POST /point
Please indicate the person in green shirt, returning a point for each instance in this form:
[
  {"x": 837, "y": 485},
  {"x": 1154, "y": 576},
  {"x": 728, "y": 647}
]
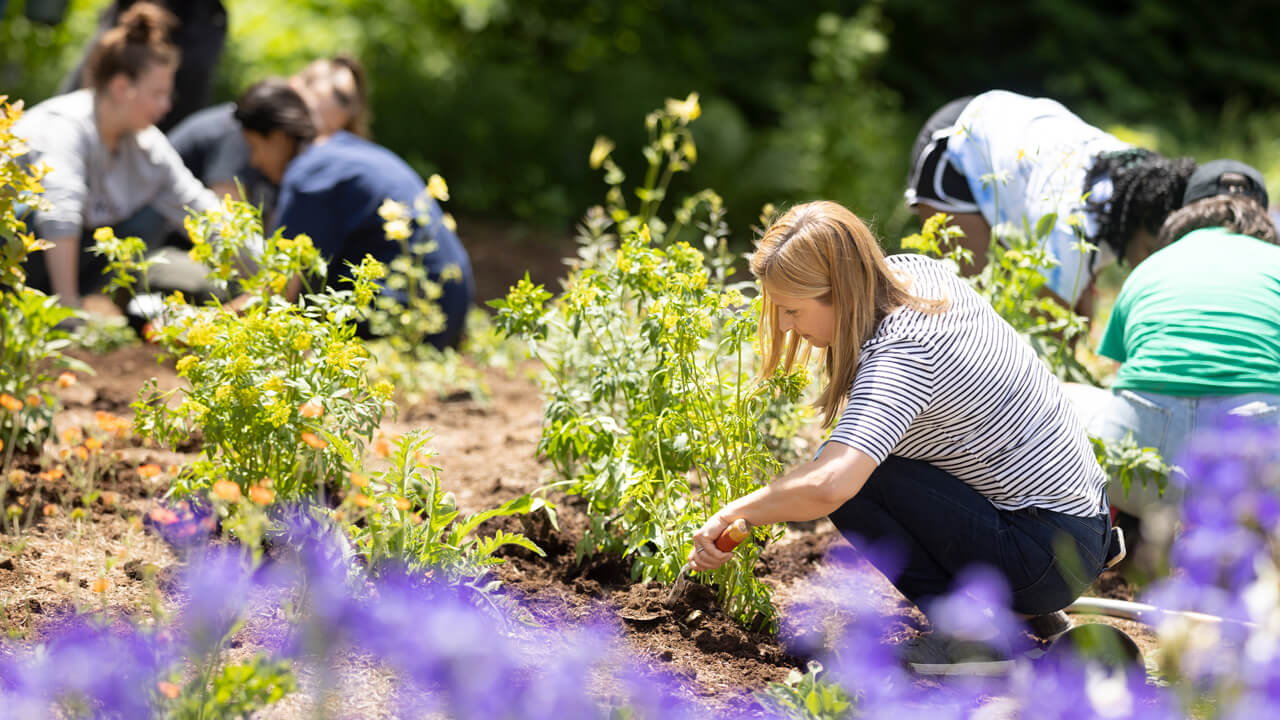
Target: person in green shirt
[{"x": 1196, "y": 327}]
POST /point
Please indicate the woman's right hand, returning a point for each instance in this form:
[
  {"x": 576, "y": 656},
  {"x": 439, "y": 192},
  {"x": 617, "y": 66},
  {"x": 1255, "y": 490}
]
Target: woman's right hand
[{"x": 705, "y": 555}]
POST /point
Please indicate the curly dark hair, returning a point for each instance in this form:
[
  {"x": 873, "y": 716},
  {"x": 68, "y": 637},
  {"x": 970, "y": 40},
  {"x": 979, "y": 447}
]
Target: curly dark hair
[{"x": 1146, "y": 187}]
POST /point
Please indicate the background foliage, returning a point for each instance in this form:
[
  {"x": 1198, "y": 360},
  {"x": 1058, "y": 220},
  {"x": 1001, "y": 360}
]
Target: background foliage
[{"x": 800, "y": 100}]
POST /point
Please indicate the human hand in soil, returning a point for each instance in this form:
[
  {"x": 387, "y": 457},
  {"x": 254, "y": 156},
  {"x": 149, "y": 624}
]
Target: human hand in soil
[{"x": 705, "y": 554}]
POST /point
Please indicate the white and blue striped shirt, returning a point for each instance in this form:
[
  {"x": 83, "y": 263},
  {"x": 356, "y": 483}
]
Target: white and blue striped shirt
[{"x": 962, "y": 391}]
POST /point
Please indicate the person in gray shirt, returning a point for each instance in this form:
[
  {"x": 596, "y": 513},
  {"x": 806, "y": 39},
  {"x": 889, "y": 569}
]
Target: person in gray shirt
[{"x": 109, "y": 164}]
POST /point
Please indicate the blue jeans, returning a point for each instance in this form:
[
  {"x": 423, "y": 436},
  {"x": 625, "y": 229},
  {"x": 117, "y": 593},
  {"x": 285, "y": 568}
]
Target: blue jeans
[
  {"x": 938, "y": 526},
  {"x": 1163, "y": 422}
]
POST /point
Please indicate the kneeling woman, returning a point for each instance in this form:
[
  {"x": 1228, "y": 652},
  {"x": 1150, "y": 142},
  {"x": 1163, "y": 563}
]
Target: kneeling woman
[
  {"x": 954, "y": 443},
  {"x": 331, "y": 188}
]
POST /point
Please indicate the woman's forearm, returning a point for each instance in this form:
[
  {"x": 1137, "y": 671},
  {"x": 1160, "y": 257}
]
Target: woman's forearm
[
  {"x": 807, "y": 492},
  {"x": 63, "y": 262}
]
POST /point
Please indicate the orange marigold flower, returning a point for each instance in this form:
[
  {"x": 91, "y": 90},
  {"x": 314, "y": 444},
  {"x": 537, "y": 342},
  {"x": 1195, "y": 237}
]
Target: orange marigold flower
[
  {"x": 163, "y": 515},
  {"x": 261, "y": 495},
  {"x": 1, "y": 444},
  {"x": 381, "y": 447},
  {"x": 10, "y": 403},
  {"x": 403, "y": 503},
  {"x": 66, "y": 380},
  {"x": 226, "y": 490},
  {"x": 311, "y": 409},
  {"x": 49, "y": 510},
  {"x": 362, "y": 500},
  {"x": 81, "y": 452},
  {"x": 314, "y": 440},
  {"x": 52, "y": 474},
  {"x": 93, "y": 444},
  {"x": 100, "y": 585},
  {"x": 72, "y": 436},
  {"x": 168, "y": 689},
  {"x": 33, "y": 400},
  {"x": 359, "y": 480},
  {"x": 110, "y": 498},
  {"x": 149, "y": 470}
]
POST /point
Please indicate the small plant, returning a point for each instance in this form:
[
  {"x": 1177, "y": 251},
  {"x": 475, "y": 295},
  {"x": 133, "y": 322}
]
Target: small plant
[
  {"x": 279, "y": 392},
  {"x": 805, "y": 696},
  {"x": 401, "y": 517},
  {"x": 652, "y": 413}
]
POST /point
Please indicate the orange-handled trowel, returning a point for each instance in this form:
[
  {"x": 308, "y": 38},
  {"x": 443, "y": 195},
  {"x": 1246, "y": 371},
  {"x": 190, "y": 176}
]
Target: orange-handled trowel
[{"x": 729, "y": 539}]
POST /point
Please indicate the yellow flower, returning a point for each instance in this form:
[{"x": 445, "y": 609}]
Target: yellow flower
[
  {"x": 103, "y": 234},
  {"x": 397, "y": 230},
  {"x": 449, "y": 222},
  {"x": 383, "y": 390},
  {"x": 391, "y": 210},
  {"x": 186, "y": 364},
  {"x": 686, "y": 110},
  {"x": 226, "y": 490},
  {"x": 600, "y": 151},
  {"x": 278, "y": 413},
  {"x": 302, "y": 342},
  {"x": 437, "y": 188}
]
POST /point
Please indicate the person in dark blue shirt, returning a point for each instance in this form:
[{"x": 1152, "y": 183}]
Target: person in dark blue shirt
[{"x": 332, "y": 187}]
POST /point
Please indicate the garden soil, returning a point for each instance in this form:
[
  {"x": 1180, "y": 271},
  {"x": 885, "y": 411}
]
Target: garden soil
[{"x": 487, "y": 454}]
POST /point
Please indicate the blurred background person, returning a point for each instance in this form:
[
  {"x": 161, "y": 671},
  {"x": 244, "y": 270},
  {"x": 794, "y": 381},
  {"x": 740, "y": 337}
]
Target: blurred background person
[
  {"x": 110, "y": 165},
  {"x": 1001, "y": 158},
  {"x": 213, "y": 147},
  {"x": 199, "y": 34},
  {"x": 331, "y": 188},
  {"x": 1196, "y": 328}
]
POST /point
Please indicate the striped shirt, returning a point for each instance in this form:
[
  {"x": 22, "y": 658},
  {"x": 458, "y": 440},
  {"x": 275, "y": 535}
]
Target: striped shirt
[{"x": 962, "y": 391}]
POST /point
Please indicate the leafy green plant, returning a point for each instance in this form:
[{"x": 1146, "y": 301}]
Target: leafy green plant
[
  {"x": 279, "y": 392},
  {"x": 31, "y": 341},
  {"x": 233, "y": 690},
  {"x": 652, "y": 413},
  {"x": 402, "y": 516},
  {"x": 806, "y": 696}
]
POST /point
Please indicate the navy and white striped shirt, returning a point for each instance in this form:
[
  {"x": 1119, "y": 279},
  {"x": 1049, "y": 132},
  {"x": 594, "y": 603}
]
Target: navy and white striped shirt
[{"x": 961, "y": 390}]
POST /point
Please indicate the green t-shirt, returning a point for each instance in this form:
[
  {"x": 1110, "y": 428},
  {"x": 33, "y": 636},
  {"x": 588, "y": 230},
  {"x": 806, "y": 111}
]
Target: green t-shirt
[{"x": 1200, "y": 317}]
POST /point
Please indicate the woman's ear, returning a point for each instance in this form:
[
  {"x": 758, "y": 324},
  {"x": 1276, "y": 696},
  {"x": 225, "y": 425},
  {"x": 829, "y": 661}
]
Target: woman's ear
[{"x": 119, "y": 87}]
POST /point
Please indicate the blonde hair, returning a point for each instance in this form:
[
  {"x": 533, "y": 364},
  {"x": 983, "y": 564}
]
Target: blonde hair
[{"x": 822, "y": 251}]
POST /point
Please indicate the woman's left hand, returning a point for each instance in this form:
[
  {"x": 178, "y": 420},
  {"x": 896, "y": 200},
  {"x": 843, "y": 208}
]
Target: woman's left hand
[{"x": 705, "y": 554}]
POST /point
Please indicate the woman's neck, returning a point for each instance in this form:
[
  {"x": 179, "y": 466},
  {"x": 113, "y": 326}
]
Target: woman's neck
[{"x": 110, "y": 126}]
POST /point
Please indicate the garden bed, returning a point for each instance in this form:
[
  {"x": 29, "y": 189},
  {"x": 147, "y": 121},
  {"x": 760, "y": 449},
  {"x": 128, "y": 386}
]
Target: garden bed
[{"x": 487, "y": 455}]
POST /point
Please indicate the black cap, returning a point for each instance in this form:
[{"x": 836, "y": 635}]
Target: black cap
[{"x": 1225, "y": 177}]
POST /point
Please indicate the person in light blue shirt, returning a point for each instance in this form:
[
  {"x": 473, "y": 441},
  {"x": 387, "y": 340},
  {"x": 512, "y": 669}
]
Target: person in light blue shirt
[{"x": 1001, "y": 162}]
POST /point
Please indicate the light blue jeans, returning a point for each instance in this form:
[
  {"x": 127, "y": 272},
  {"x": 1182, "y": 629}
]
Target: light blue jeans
[{"x": 1163, "y": 422}]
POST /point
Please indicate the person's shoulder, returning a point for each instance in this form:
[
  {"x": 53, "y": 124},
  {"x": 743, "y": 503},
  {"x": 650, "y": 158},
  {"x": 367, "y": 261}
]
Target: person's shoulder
[
  {"x": 60, "y": 114},
  {"x": 208, "y": 122}
]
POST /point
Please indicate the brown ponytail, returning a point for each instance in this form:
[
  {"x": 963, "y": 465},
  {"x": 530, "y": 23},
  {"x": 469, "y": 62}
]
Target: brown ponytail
[{"x": 138, "y": 41}]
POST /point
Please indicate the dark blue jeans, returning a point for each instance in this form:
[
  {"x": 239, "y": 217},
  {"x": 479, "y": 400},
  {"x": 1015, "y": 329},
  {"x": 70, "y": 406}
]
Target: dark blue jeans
[{"x": 938, "y": 525}]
